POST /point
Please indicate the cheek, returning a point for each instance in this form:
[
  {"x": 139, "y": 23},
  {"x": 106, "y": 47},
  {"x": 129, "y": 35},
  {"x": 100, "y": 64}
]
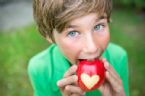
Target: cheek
[
  {"x": 70, "y": 49},
  {"x": 71, "y": 46},
  {"x": 106, "y": 40}
]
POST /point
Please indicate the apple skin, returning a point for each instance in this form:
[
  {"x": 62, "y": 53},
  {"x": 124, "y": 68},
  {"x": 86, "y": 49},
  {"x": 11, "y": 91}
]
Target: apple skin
[{"x": 95, "y": 71}]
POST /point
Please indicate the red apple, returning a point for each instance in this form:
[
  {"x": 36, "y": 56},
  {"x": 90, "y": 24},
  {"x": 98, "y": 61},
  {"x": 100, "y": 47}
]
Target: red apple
[{"x": 91, "y": 74}]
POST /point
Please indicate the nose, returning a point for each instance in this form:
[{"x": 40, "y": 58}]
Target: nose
[{"x": 90, "y": 45}]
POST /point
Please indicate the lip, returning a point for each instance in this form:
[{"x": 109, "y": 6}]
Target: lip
[
  {"x": 79, "y": 60},
  {"x": 88, "y": 59}
]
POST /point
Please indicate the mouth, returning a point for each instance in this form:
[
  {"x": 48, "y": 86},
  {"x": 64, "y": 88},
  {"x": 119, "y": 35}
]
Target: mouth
[
  {"x": 80, "y": 60},
  {"x": 90, "y": 58}
]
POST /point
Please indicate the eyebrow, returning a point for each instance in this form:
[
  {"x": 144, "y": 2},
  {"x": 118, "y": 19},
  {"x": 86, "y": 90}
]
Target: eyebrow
[
  {"x": 98, "y": 19},
  {"x": 101, "y": 17}
]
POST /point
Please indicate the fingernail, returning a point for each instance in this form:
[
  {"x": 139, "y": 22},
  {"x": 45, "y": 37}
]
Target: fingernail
[
  {"x": 107, "y": 73},
  {"x": 106, "y": 64},
  {"x": 58, "y": 83},
  {"x": 104, "y": 59},
  {"x": 76, "y": 77},
  {"x": 75, "y": 67},
  {"x": 84, "y": 93}
]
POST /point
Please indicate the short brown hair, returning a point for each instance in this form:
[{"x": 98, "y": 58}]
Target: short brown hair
[{"x": 56, "y": 14}]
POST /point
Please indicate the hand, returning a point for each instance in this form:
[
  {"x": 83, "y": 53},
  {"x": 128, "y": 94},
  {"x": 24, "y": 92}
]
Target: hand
[
  {"x": 68, "y": 85},
  {"x": 113, "y": 84}
]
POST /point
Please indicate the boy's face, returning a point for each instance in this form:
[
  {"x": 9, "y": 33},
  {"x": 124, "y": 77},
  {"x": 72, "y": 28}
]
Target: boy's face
[{"x": 84, "y": 38}]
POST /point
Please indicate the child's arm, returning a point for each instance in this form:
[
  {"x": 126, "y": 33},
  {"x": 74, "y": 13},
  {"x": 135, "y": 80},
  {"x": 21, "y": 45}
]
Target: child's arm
[
  {"x": 68, "y": 85},
  {"x": 113, "y": 85}
]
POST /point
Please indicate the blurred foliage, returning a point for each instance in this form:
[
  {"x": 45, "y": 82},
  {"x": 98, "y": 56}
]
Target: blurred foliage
[
  {"x": 18, "y": 46},
  {"x": 133, "y": 3},
  {"x": 128, "y": 30}
]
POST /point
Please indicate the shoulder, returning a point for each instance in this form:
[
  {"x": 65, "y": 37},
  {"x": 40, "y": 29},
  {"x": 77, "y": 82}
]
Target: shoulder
[
  {"x": 116, "y": 51},
  {"x": 117, "y": 56},
  {"x": 40, "y": 71},
  {"x": 40, "y": 62},
  {"x": 46, "y": 68}
]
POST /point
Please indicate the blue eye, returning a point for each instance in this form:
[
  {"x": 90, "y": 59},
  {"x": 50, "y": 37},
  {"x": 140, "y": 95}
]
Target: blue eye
[
  {"x": 99, "y": 27},
  {"x": 73, "y": 34}
]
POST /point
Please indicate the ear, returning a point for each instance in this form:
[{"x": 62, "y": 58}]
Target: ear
[
  {"x": 110, "y": 20},
  {"x": 49, "y": 39}
]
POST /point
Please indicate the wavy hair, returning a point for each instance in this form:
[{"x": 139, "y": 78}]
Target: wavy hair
[{"x": 56, "y": 14}]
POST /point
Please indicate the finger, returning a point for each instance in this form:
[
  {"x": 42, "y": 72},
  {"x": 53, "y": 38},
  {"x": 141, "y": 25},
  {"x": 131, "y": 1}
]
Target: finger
[
  {"x": 112, "y": 76},
  {"x": 106, "y": 89},
  {"x": 103, "y": 59},
  {"x": 115, "y": 83},
  {"x": 75, "y": 89},
  {"x": 64, "y": 92},
  {"x": 76, "y": 95},
  {"x": 110, "y": 69},
  {"x": 70, "y": 71},
  {"x": 101, "y": 88},
  {"x": 67, "y": 81}
]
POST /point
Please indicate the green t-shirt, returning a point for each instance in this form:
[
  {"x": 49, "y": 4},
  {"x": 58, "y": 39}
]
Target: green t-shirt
[{"x": 49, "y": 66}]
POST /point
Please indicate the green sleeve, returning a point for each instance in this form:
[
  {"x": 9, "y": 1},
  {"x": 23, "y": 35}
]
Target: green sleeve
[
  {"x": 38, "y": 82},
  {"x": 124, "y": 72}
]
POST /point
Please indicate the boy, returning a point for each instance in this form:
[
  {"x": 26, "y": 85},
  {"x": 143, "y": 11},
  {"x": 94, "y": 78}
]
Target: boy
[{"x": 78, "y": 30}]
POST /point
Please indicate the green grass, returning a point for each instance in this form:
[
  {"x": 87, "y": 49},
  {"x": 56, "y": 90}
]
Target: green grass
[
  {"x": 18, "y": 46},
  {"x": 16, "y": 49}
]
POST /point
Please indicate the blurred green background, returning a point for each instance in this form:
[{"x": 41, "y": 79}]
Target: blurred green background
[{"x": 19, "y": 44}]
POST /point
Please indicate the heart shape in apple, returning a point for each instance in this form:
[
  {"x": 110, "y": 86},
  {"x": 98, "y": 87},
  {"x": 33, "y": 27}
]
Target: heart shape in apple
[{"x": 91, "y": 74}]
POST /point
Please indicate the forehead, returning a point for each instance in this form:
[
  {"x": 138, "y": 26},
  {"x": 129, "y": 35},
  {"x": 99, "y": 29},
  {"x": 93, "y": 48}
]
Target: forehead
[{"x": 90, "y": 18}]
